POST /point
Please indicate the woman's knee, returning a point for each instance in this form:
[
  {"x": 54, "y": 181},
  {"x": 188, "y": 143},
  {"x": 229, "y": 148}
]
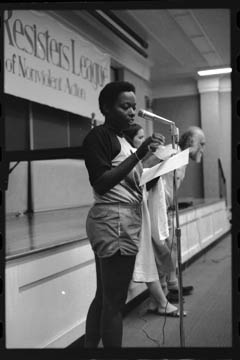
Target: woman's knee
[
  {"x": 116, "y": 276},
  {"x": 115, "y": 300}
]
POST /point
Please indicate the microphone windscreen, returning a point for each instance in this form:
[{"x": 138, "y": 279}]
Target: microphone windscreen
[{"x": 141, "y": 113}]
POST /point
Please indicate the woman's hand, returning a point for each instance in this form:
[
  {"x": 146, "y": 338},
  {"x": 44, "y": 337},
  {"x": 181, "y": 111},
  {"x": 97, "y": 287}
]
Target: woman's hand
[
  {"x": 157, "y": 140},
  {"x": 150, "y": 144}
]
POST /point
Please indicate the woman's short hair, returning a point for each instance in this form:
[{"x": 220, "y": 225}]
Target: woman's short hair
[{"x": 109, "y": 94}]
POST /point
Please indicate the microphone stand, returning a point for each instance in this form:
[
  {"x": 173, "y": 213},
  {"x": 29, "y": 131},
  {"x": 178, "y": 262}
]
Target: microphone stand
[{"x": 174, "y": 133}]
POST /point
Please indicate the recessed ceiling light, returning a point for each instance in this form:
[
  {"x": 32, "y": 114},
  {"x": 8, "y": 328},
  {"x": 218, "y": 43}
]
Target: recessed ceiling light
[{"x": 214, "y": 71}]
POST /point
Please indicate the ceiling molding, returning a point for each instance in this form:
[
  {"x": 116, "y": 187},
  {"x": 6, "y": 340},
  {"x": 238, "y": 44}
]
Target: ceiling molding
[
  {"x": 220, "y": 83},
  {"x": 225, "y": 84},
  {"x": 209, "y": 84}
]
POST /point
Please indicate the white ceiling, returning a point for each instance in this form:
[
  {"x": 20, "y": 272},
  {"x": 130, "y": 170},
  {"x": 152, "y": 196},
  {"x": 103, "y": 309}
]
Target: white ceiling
[{"x": 183, "y": 41}]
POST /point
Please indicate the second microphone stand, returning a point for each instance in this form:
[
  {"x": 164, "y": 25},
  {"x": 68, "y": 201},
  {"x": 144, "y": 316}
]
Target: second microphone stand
[{"x": 174, "y": 135}]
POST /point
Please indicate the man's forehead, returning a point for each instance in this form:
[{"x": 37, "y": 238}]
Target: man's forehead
[{"x": 200, "y": 136}]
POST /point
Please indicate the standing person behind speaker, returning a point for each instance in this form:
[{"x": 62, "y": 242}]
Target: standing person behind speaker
[
  {"x": 166, "y": 252},
  {"x": 114, "y": 221},
  {"x": 145, "y": 266},
  {"x": 194, "y": 139}
]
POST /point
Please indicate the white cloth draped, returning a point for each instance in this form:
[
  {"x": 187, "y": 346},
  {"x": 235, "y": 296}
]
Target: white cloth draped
[{"x": 154, "y": 223}]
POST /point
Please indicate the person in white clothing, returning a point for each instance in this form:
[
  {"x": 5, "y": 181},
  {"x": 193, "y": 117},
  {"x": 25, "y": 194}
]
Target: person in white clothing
[
  {"x": 145, "y": 266},
  {"x": 166, "y": 255},
  {"x": 165, "y": 252},
  {"x": 194, "y": 139}
]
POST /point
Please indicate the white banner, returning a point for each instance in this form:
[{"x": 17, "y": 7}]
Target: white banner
[{"x": 47, "y": 63}]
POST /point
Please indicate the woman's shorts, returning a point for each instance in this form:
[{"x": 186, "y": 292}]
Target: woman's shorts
[{"x": 113, "y": 227}]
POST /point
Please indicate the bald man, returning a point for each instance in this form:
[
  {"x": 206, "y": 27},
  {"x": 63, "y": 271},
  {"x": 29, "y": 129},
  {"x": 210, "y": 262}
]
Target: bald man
[{"x": 194, "y": 139}]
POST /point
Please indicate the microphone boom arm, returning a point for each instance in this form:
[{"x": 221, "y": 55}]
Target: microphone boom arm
[{"x": 147, "y": 115}]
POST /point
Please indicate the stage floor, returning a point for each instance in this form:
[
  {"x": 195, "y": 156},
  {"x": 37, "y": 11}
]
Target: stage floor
[{"x": 209, "y": 319}]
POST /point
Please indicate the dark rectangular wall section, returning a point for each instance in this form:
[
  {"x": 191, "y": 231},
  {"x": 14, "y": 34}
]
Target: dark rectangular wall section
[
  {"x": 79, "y": 126},
  {"x": 50, "y": 127},
  {"x": 16, "y": 123}
]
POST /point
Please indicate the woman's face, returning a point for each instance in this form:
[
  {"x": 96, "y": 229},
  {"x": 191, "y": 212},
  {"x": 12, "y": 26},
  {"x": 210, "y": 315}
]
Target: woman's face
[
  {"x": 138, "y": 138},
  {"x": 122, "y": 114}
]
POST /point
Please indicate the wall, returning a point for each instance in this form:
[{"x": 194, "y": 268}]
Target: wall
[
  {"x": 216, "y": 123},
  {"x": 204, "y": 102},
  {"x": 184, "y": 111}
]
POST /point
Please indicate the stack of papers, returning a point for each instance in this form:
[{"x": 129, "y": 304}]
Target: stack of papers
[{"x": 164, "y": 152}]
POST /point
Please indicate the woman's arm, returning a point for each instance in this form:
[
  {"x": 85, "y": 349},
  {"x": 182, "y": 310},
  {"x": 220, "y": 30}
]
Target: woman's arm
[
  {"x": 102, "y": 176},
  {"x": 112, "y": 177}
]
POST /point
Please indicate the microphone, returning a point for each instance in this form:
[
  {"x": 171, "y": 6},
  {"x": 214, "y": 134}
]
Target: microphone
[{"x": 147, "y": 115}]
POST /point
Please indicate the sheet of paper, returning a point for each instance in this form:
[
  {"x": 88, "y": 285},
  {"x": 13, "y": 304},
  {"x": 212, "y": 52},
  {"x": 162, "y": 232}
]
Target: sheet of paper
[{"x": 174, "y": 162}]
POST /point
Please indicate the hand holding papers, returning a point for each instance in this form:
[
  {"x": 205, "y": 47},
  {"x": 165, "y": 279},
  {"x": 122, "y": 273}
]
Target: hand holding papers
[
  {"x": 172, "y": 163},
  {"x": 164, "y": 152}
]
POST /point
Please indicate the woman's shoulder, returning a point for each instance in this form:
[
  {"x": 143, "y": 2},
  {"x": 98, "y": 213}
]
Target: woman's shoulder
[
  {"x": 99, "y": 129},
  {"x": 102, "y": 139},
  {"x": 98, "y": 132}
]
